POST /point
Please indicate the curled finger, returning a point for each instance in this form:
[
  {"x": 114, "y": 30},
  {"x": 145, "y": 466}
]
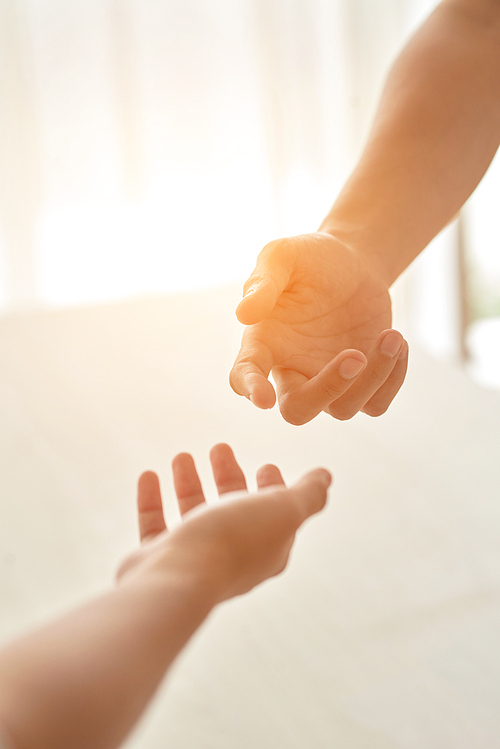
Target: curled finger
[
  {"x": 380, "y": 402},
  {"x": 382, "y": 359},
  {"x": 302, "y": 399}
]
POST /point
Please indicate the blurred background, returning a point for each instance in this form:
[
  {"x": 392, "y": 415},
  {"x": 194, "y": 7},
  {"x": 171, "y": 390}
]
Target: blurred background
[
  {"x": 148, "y": 150},
  {"x": 156, "y": 146}
]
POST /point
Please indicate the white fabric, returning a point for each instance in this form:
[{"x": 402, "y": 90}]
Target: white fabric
[{"x": 383, "y": 633}]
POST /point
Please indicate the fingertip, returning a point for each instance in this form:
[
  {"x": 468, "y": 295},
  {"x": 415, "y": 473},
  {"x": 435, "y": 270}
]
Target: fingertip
[
  {"x": 246, "y": 312},
  {"x": 383, "y": 397},
  {"x": 263, "y": 401},
  {"x": 391, "y": 342},
  {"x": 262, "y": 395},
  {"x": 269, "y": 475},
  {"x": 187, "y": 483},
  {"x": 147, "y": 477},
  {"x": 227, "y": 473},
  {"x": 308, "y": 398},
  {"x": 219, "y": 450},
  {"x": 147, "y": 483},
  {"x": 324, "y": 476},
  {"x": 352, "y": 364},
  {"x": 181, "y": 460},
  {"x": 320, "y": 477},
  {"x": 313, "y": 491},
  {"x": 148, "y": 493}
]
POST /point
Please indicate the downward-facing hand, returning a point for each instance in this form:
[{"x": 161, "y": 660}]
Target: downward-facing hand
[{"x": 318, "y": 318}]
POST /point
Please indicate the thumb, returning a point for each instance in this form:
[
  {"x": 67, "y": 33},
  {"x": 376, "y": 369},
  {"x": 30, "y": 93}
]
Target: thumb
[
  {"x": 267, "y": 282},
  {"x": 310, "y": 492}
]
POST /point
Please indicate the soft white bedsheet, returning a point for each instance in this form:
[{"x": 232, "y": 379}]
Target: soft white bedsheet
[{"x": 384, "y": 632}]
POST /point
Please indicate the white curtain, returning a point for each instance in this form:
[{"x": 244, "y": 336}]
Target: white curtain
[{"x": 157, "y": 145}]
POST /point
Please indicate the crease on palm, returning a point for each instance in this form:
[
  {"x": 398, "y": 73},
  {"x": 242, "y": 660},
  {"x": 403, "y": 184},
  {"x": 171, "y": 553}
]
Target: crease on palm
[{"x": 306, "y": 345}]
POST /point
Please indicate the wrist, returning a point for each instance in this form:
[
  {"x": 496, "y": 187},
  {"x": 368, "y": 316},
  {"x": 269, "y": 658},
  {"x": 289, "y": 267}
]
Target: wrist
[
  {"x": 196, "y": 576},
  {"x": 362, "y": 243}
]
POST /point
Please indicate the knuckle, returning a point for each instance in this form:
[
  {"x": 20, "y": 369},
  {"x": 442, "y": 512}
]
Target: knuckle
[
  {"x": 263, "y": 275},
  {"x": 277, "y": 251},
  {"x": 333, "y": 390},
  {"x": 251, "y": 281},
  {"x": 234, "y": 380},
  {"x": 271, "y": 248},
  {"x": 378, "y": 375},
  {"x": 241, "y": 368}
]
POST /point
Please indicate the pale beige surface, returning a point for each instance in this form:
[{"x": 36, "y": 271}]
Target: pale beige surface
[{"x": 383, "y": 633}]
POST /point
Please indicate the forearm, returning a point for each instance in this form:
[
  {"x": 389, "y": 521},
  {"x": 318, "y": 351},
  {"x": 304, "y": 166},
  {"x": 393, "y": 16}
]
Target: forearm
[
  {"x": 434, "y": 135},
  {"x": 84, "y": 680}
]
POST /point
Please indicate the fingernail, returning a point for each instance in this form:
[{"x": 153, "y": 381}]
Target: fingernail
[
  {"x": 391, "y": 344},
  {"x": 404, "y": 351},
  {"x": 250, "y": 291},
  {"x": 350, "y": 368},
  {"x": 250, "y": 398}
]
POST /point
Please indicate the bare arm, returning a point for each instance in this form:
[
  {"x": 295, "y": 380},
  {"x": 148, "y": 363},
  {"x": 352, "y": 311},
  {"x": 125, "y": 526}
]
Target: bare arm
[
  {"x": 314, "y": 301},
  {"x": 435, "y": 133},
  {"x": 84, "y": 680}
]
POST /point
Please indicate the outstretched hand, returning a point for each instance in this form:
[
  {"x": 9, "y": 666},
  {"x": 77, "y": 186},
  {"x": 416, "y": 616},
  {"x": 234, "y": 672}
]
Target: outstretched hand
[
  {"x": 318, "y": 317},
  {"x": 234, "y": 545}
]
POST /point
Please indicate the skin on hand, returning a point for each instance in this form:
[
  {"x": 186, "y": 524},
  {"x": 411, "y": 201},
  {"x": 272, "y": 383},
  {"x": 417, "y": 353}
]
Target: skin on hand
[
  {"x": 84, "y": 680},
  {"x": 230, "y": 546},
  {"x": 318, "y": 316}
]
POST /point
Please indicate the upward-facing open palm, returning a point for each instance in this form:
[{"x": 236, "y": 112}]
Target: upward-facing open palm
[
  {"x": 318, "y": 317},
  {"x": 232, "y": 545}
]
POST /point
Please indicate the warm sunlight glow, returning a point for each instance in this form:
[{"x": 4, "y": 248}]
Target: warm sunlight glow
[{"x": 188, "y": 231}]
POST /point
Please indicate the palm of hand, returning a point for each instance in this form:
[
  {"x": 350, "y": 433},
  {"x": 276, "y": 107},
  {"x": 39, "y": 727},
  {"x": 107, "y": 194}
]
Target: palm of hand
[
  {"x": 330, "y": 301},
  {"x": 231, "y": 546},
  {"x": 323, "y": 313}
]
